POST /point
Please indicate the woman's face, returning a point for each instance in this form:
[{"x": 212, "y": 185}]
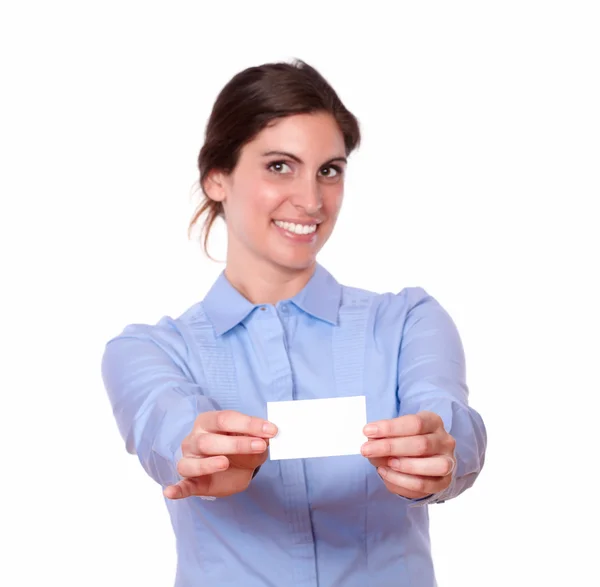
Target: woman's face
[{"x": 282, "y": 200}]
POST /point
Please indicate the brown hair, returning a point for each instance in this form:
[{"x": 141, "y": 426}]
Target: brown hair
[{"x": 247, "y": 104}]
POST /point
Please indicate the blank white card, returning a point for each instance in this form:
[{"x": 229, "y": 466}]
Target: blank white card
[{"x": 317, "y": 427}]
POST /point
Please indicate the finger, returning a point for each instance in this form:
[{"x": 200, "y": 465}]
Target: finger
[
  {"x": 380, "y": 462},
  {"x": 188, "y": 487},
  {"x": 221, "y": 444},
  {"x": 411, "y": 446},
  {"x": 438, "y": 466},
  {"x": 199, "y": 466},
  {"x": 416, "y": 483},
  {"x": 409, "y": 425},
  {"x": 234, "y": 422}
]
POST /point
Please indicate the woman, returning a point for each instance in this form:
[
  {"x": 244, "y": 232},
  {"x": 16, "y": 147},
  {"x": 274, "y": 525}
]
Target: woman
[{"x": 189, "y": 394}]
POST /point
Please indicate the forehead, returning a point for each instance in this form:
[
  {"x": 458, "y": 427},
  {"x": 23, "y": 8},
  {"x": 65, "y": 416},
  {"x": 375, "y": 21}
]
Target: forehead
[{"x": 302, "y": 134}]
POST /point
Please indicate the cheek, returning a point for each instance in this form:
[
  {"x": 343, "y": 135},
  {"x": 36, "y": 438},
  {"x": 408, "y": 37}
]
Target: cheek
[
  {"x": 271, "y": 196},
  {"x": 251, "y": 199},
  {"x": 333, "y": 200},
  {"x": 251, "y": 206},
  {"x": 261, "y": 198}
]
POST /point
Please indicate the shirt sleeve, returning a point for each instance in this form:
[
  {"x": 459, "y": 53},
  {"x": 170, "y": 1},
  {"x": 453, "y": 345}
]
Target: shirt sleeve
[
  {"x": 432, "y": 377},
  {"x": 154, "y": 398}
]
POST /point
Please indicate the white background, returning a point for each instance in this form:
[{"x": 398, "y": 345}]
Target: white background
[{"x": 477, "y": 179}]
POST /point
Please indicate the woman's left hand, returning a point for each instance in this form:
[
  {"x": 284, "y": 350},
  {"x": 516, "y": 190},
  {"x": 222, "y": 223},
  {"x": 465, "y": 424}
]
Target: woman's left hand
[{"x": 414, "y": 454}]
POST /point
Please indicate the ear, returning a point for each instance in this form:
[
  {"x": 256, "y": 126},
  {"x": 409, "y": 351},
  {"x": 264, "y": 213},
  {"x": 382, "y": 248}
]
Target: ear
[{"x": 214, "y": 185}]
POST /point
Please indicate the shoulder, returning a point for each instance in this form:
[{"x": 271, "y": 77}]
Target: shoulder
[
  {"x": 172, "y": 336},
  {"x": 387, "y": 306},
  {"x": 393, "y": 318}
]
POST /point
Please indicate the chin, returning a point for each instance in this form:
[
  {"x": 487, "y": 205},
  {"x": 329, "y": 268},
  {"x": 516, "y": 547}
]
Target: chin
[
  {"x": 293, "y": 262},
  {"x": 292, "y": 256}
]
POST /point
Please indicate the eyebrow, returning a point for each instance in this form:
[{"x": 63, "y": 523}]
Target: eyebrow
[{"x": 298, "y": 160}]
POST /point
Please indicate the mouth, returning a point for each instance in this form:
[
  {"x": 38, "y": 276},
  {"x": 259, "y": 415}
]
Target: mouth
[
  {"x": 293, "y": 228},
  {"x": 297, "y": 231}
]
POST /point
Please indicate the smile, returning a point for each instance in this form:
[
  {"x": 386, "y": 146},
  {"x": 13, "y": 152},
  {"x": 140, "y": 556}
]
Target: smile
[{"x": 296, "y": 228}]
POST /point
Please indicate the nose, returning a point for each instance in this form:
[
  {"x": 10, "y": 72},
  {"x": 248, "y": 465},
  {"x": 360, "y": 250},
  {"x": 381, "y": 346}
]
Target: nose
[{"x": 308, "y": 197}]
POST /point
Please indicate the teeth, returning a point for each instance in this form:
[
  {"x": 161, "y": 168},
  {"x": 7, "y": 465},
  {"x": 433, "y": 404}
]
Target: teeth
[{"x": 296, "y": 228}]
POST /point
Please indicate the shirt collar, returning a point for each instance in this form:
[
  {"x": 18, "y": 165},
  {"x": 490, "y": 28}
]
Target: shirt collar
[
  {"x": 226, "y": 307},
  {"x": 321, "y": 296}
]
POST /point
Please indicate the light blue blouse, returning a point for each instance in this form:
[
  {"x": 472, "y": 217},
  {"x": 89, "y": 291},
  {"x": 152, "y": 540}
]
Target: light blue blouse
[{"x": 302, "y": 522}]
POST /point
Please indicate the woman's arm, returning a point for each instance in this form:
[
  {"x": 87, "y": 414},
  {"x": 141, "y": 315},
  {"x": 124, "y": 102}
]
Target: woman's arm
[
  {"x": 432, "y": 377},
  {"x": 154, "y": 401}
]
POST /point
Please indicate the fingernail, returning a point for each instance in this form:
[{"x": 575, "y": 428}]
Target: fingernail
[
  {"x": 366, "y": 449},
  {"x": 370, "y": 430},
  {"x": 382, "y": 471},
  {"x": 395, "y": 463},
  {"x": 257, "y": 445},
  {"x": 269, "y": 428}
]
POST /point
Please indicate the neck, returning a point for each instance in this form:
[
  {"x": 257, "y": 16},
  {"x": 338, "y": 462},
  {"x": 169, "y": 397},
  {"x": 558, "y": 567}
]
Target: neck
[{"x": 265, "y": 283}]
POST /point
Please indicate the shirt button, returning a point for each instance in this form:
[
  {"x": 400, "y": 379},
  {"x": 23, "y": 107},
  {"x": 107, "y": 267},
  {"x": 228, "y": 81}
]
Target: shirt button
[
  {"x": 263, "y": 308},
  {"x": 284, "y": 308}
]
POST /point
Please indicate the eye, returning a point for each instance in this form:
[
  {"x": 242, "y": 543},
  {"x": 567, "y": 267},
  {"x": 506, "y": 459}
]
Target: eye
[
  {"x": 330, "y": 171},
  {"x": 280, "y": 167}
]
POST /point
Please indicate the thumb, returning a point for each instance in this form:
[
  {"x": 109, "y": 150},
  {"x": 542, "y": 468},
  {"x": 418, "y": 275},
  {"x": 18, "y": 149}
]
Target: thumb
[{"x": 187, "y": 487}]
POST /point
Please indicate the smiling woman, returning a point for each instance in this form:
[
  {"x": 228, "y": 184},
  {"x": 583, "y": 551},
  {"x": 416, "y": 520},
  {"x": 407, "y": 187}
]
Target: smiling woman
[
  {"x": 273, "y": 163},
  {"x": 282, "y": 199},
  {"x": 190, "y": 394}
]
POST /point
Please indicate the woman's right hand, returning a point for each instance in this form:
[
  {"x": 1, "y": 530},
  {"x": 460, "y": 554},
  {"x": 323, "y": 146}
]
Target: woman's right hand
[{"x": 220, "y": 454}]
